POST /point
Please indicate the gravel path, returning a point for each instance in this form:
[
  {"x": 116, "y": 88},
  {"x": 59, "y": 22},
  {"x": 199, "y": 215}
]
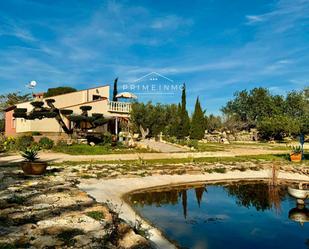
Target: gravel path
[{"x": 162, "y": 147}]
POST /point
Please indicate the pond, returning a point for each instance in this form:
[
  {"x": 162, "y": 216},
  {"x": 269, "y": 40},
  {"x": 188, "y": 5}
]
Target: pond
[{"x": 226, "y": 215}]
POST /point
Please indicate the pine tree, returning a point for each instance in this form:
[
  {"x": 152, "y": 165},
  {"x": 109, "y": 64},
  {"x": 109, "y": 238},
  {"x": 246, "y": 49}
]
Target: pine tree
[
  {"x": 115, "y": 92},
  {"x": 184, "y": 125},
  {"x": 197, "y": 124}
]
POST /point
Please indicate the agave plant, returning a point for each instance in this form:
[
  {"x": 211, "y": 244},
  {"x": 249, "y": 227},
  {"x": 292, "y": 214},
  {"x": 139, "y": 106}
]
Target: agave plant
[
  {"x": 30, "y": 153},
  {"x": 296, "y": 149}
]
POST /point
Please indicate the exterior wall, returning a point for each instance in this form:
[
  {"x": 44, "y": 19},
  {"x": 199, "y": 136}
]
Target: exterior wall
[
  {"x": 71, "y": 100},
  {"x": 10, "y": 124},
  {"x": 51, "y": 125},
  {"x": 79, "y": 97},
  {"x": 100, "y": 106}
]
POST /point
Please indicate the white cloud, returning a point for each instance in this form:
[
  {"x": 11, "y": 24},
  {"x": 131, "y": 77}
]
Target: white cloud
[
  {"x": 12, "y": 28},
  {"x": 254, "y": 19},
  {"x": 170, "y": 22}
]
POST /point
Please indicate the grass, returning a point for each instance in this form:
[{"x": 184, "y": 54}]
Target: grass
[
  {"x": 254, "y": 158},
  {"x": 223, "y": 147},
  {"x": 97, "y": 215},
  {"x": 84, "y": 149},
  {"x": 211, "y": 147}
]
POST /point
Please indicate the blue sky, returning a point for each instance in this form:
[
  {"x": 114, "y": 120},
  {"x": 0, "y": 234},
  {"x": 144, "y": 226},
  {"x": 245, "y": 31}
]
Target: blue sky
[{"x": 216, "y": 46}]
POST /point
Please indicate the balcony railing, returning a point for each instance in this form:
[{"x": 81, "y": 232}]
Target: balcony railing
[{"x": 121, "y": 107}]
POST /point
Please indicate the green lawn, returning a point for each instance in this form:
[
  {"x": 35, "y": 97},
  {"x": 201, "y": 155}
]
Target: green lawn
[
  {"x": 225, "y": 160},
  {"x": 84, "y": 149},
  {"x": 225, "y": 147}
]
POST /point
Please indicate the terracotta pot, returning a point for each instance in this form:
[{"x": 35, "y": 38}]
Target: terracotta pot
[
  {"x": 296, "y": 157},
  {"x": 34, "y": 168}
]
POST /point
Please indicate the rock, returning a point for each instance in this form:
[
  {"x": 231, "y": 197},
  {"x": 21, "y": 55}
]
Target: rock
[
  {"x": 224, "y": 141},
  {"x": 46, "y": 241},
  {"x": 82, "y": 241},
  {"x": 131, "y": 240},
  {"x": 82, "y": 141},
  {"x": 123, "y": 228},
  {"x": 92, "y": 144}
]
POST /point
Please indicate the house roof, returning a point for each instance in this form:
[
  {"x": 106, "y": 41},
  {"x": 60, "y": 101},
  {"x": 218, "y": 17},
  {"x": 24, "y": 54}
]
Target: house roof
[{"x": 10, "y": 108}]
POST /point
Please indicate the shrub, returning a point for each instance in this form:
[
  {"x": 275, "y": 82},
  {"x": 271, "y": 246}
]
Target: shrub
[
  {"x": 46, "y": 143},
  {"x": 2, "y": 143},
  {"x": 24, "y": 142},
  {"x": 107, "y": 138},
  {"x": 36, "y": 133},
  {"x": 192, "y": 143},
  {"x": 8, "y": 143},
  {"x": 61, "y": 143}
]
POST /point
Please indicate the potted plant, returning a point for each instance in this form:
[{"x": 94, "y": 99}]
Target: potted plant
[
  {"x": 296, "y": 154},
  {"x": 31, "y": 165}
]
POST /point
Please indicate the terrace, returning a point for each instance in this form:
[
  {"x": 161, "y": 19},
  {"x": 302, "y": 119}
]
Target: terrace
[{"x": 120, "y": 107}]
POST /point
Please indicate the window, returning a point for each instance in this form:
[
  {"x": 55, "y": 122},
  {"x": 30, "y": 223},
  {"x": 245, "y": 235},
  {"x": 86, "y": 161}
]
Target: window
[
  {"x": 14, "y": 123},
  {"x": 96, "y": 97}
]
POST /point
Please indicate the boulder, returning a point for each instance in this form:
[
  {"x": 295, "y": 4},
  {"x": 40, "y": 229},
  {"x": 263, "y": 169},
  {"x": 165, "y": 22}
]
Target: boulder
[{"x": 133, "y": 241}]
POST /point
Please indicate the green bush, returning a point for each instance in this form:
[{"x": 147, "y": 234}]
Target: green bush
[
  {"x": 278, "y": 127},
  {"x": 24, "y": 142},
  {"x": 62, "y": 143},
  {"x": 2, "y": 145},
  {"x": 8, "y": 143},
  {"x": 46, "y": 143},
  {"x": 192, "y": 143},
  {"x": 36, "y": 133},
  {"x": 106, "y": 138}
]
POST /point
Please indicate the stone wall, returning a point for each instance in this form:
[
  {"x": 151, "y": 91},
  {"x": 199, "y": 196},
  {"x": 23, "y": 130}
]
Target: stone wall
[{"x": 218, "y": 136}]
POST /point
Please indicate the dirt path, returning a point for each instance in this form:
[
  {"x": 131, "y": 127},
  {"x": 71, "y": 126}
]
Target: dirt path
[
  {"x": 162, "y": 147},
  {"x": 60, "y": 157}
]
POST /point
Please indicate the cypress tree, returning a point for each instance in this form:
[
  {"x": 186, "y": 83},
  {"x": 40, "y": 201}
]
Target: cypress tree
[
  {"x": 184, "y": 125},
  {"x": 197, "y": 124},
  {"x": 115, "y": 92}
]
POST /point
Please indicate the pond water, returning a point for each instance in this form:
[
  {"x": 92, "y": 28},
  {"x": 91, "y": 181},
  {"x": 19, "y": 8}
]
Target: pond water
[{"x": 234, "y": 215}]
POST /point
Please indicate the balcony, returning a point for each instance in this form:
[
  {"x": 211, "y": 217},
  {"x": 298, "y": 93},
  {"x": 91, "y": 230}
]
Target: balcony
[{"x": 120, "y": 107}]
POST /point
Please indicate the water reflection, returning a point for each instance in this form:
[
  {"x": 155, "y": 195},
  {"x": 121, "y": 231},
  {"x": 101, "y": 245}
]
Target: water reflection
[
  {"x": 169, "y": 196},
  {"x": 239, "y": 214},
  {"x": 299, "y": 214},
  {"x": 260, "y": 196}
]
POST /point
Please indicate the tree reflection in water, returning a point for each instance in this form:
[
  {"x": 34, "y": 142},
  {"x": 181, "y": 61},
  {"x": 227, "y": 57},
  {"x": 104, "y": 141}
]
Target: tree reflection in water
[
  {"x": 262, "y": 196},
  {"x": 171, "y": 196},
  {"x": 231, "y": 216}
]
